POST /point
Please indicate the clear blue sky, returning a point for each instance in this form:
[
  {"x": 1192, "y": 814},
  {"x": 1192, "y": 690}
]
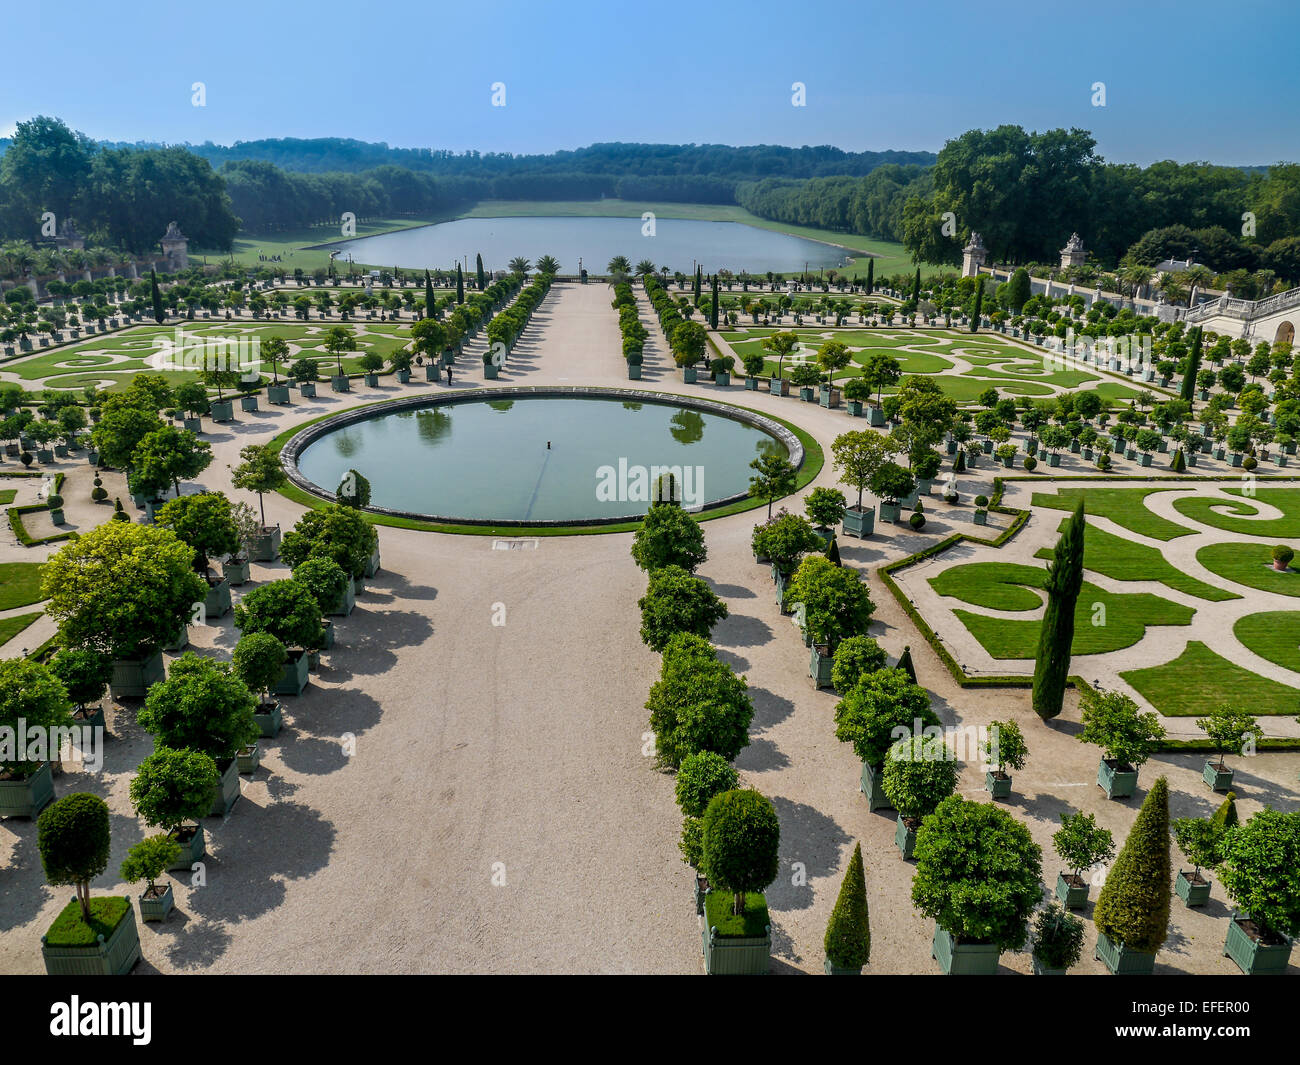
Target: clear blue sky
[{"x": 1190, "y": 80}]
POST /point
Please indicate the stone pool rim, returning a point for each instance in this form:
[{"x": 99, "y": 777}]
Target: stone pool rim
[{"x": 300, "y": 441}]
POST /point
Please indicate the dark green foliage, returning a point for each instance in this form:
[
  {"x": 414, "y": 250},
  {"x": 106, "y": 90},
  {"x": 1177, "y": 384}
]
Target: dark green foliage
[
  {"x": 978, "y": 873},
  {"x": 701, "y": 776},
  {"x": 905, "y": 664},
  {"x": 1225, "y": 817},
  {"x": 833, "y": 552},
  {"x": 171, "y": 787},
  {"x": 920, "y": 772},
  {"x": 669, "y": 537},
  {"x": 879, "y": 703},
  {"x": 979, "y": 305},
  {"x": 325, "y": 580},
  {"x": 854, "y": 658},
  {"x": 1064, "y": 580},
  {"x": 148, "y": 858},
  {"x": 741, "y": 838},
  {"x": 1179, "y": 463},
  {"x": 697, "y": 704},
  {"x": 1133, "y": 907},
  {"x": 774, "y": 477},
  {"x": 353, "y": 491},
  {"x": 155, "y": 296},
  {"x": 258, "y": 657},
  {"x": 848, "y": 932},
  {"x": 83, "y": 671},
  {"x": 1188, "y": 390},
  {"x": 74, "y": 838},
  {"x": 1058, "y": 937},
  {"x": 959, "y": 462},
  {"x": 675, "y": 601},
  {"x": 286, "y": 609},
  {"x": 336, "y": 532},
  {"x": 1260, "y": 859},
  {"x": 200, "y": 706},
  {"x": 837, "y": 603}
]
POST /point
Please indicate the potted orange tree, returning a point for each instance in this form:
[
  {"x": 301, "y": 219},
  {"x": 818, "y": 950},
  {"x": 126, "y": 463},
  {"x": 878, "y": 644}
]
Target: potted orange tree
[
  {"x": 1080, "y": 844},
  {"x": 1127, "y": 738},
  {"x": 31, "y": 698},
  {"x": 740, "y": 840},
  {"x": 868, "y": 715},
  {"x": 172, "y": 790},
  {"x": 1231, "y": 731},
  {"x": 920, "y": 772},
  {"x": 1260, "y": 859},
  {"x": 146, "y": 861}
]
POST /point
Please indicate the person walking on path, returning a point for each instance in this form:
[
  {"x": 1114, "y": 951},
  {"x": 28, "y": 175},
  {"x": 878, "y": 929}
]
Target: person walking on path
[{"x": 448, "y": 376}]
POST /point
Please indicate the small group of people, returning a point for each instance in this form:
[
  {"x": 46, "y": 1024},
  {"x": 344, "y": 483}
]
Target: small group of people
[{"x": 271, "y": 258}]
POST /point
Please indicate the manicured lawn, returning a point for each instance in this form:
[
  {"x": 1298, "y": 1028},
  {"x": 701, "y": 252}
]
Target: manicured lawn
[
  {"x": 1198, "y": 681},
  {"x": 1124, "y": 560},
  {"x": 1250, "y": 565},
  {"x": 1228, "y": 515},
  {"x": 1272, "y": 634},
  {"x": 7, "y": 495},
  {"x": 753, "y": 922},
  {"x": 1124, "y": 506},
  {"x": 12, "y": 626},
  {"x": 20, "y": 582},
  {"x": 1123, "y": 617}
]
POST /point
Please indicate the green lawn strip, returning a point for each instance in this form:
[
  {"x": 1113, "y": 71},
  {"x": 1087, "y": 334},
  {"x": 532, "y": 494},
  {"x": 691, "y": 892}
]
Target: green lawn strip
[
  {"x": 7, "y": 494},
  {"x": 1272, "y": 634},
  {"x": 996, "y": 585},
  {"x": 1198, "y": 681},
  {"x": 1113, "y": 556},
  {"x": 1220, "y": 514},
  {"x": 1124, "y": 506},
  {"x": 813, "y": 460},
  {"x": 70, "y": 929},
  {"x": 20, "y": 584},
  {"x": 753, "y": 922},
  {"x": 1249, "y": 565},
  {"x": 11, "y": 627}
]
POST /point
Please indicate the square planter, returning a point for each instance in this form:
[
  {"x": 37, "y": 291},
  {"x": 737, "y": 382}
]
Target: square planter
[
  {"x": 347, "y": 601},
  {"x": 432, "y": 371},
  {"x": 133, "y": 676},
  {"x": 782, "y": 583},
  {"x": 236, "y": 570},
  {"x": 193, "y": 845},
  {"x": 1192, "y": 892},
  {"x": 980, "y": 517},
  {"x": 1121, "y": 961},
  {"x": 905, "y": 835},
  {"x": 340, "y": 383},
  {"x": 327, "y": 627},
  {"x": 1253, "y": 956},
  {"x": 859, "y": 522},
  {"x": 829, "y": 397},
  {"x": 819, "y": 666},
  {"x": 248, "y": 759},
  {"x": 875, "y": 417},
  {"x": 372, "y": 564},
  {"x": 689, "y": 374},
  {"x": 963, "y": 959},
  {"x": 876, "y": 798},
  {"x": 1072, "y": 891},
  {"x": 226, "y": 792},
  {"x": 778, "y": 386},
  {"x": 998, "y": 785},
  {"x": 157, "y": 907},
  {"x": 634, "y": 372},
  {"x": 1145, "y": 459},
  {"x": 248, "y": 403},
  {"x": 194, "y": 425},
  {"x": 1117, "y": 782},
  {"x": 29, "y": 796},
  {"x": 278, "y": 394},
  {"x": 222, "y": 411},
  {"x": 889, "y": 511},
  {"x": 1217, "y": 776},
  {"x": 115, "y": 955},
  {"x": 294, "y": 677},
  {"x": 307, "y": 389},
  {"x": 751, "y": 384},
  {"x": 217, "y": 604},
  {"x": 736, "y": 955},
  {"x": 805, "y": 394},
  {"x": 403, "y": 377},
  {"x": 722, "y": 379},
  {"x": 269, "y": 718},
  {"x": 266, "y": 547},
  {"x": 44, "y": 454}
]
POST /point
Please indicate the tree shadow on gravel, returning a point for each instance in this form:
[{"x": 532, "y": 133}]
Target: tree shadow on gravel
[
  {"x": 315, "y": 756},
  {"x": 366, "y": 646},
  {"x": 769, "y": 708},
  {"x": 194, "y": 943},
  {"x": 760, "y": 756},
  {"x": 730, "y": 591},
  {"x": 738, "y": 664},
  {"x": 741, "y": 630},
  {"x": 814, "y": 841},
  {"x": 398, "y": 587}
]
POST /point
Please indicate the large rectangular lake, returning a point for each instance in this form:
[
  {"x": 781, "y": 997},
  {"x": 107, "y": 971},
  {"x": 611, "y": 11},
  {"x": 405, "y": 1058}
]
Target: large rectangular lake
[{"x": 677, "y": 243}]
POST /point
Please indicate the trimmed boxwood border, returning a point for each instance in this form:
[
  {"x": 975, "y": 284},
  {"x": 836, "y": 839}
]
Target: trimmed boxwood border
[
  {"x": 16, "y": 521},
  {"x": 813, "y": 460}
]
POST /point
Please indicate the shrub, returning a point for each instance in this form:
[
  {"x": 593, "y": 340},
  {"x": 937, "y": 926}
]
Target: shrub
[
  {"x": 825, "y": 506},
  {"x": 1249, "y": 462},
  {"x": 701, "y": 776},
  {"x": 148, "y": 859},
  {"x": 916, "y": 520},
  {"x": 1058, "y": 937},
  {"x": 1199, "y": 839},
  {"x": 1133, "y": 907},
  {"x": 981, "y": 501},
  {"x": 336, "y": 532},
  {"x": 203, "y": 521},
  {"x": 1081, "y": 844},
  {"x": 1283, "y": 554},
  {"x": 697, "y": 704},
  {"x": 1030, "y": 463},
  {"x": 855, "y": 657},
  {"x": 977, "y": 873},
  {"x": 258, "y": 660},
  {"x": 200, "y": 706},
  {"x": 83, "y": 672},
  {"x": 54, "y": 501},
  {"x": 675, "y": 602},
  {"x": 286, "y": 609},
  {"x": 173, "y": 786},
  {"x": 325, "y": 579},
  {"x": 1005, "y": 747},
  {"x": 31, "y": 696},
  {"x": 741, "y": 836},
  {"x": 1179, "y": 463},
  {"x": 1232, "y": 731},
  {"x": 669, "y": 537},
  {"x": 1111, "y": 720},
  {"x": 1225, "y": 817},
  {"x": 73, "y": 836},
  {"x": 877, "y": 705},
  {"x": 837, "y": 603},
  {"x": 353, "y": 491},
  {"x": 1260, "y": 859},
  {"x": 920, "y": 772},
  {"x": 848, "y": 932},
  {"x": 785, "y": 538}
]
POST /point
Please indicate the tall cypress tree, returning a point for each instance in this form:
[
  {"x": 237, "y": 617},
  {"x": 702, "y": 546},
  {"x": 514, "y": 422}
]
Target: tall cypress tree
[
  {"x": 916, "y": 289},
  {"x": 1064, "y": 579},
  {"x": 1193, "y": 365},
  {"x": 699, "y": 277},
  {"x": 871, "y": 276},
  {"x": 1133, "y": 907},
  {"x": 156, "y": 296},
  {"x": 713, "y": 313},
  {"x": 979, "y": 305},
  {"x": 430, "y": 304},
  {"x": 478, "y": 272},
  {"x": 460, "y": 285}
]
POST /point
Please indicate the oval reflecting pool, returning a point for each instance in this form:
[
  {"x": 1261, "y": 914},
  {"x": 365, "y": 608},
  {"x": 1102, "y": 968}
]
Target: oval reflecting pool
[{"x": 547, "y": 458}]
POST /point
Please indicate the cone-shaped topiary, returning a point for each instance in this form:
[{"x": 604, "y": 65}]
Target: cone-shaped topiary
[
  {"x": 118, "y": 513},
  {"x": 848, "y": 932},
  {"x": 1226, "y": 815},
  {"x": 1133, "y": 907},
  {"x": 959, "y": 463},
  {"x": 905, "y": 663},
  {"x": 1179, "y": 464},
  {"x": 833, "y": 552}
]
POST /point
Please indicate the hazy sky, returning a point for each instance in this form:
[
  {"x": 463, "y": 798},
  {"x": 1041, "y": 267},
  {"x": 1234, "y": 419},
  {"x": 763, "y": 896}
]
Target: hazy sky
[{"x": 1188, "y": 80}]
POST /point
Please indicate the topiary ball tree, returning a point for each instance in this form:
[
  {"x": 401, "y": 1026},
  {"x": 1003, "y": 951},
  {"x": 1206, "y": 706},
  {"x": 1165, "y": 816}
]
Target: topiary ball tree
[
  {"x": 978, "y": 873},
  {"x": 173, "y": 786},
  {"x": 83, "y": 672},
  {"x": 336, "y": 532},
  {"x": 74, "y": 838},
  {"x": 848, "y": 932},
  {"x": 285, "y": 609},
  {"x": 1258, "y": 870},
  {"x": 669, "y": 537},
  {"x": 122, "y": 589},
  {"x": 1133, "y": 907},
  {"x": 204, "y": 521},
  {"x": 920, "y": 772},
  {"x": 878, "y": 705},
  {"x": 836, "y": 601},
  {"x": 697, "y": 704},
  {"x": 855, "y": 657},
  {"x": 200, "y": 706},
  {"x": 31, "y": 696},
  {"x": 700, "y": 777},
  {"x": 676, "y": 602},
  {"x": 740, "y": 840},
  {"x": 325, "y": 579},
  {"x": 353, "y": 491},
  {"x": 258, "y": 660}
]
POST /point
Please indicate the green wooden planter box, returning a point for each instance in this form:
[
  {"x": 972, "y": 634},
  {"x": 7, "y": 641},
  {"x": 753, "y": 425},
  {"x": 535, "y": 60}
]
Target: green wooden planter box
[
  {"x": 372, "y": 564},
  {"x": 998, "y": 785},
  {"x": 340, "y": 383},
  {"x": 806, "y": 394},
  {"x": 831, "y": 969},
  {"x": 875, "y": 417},
  {"x": 236, "y": 570},
  {"x": 1121, "y": 961},
  {"x": 905, "y": 837},
  {"x": 634, "y": 372},
  {"x": 294, "y": 677},
  {"x": 1193, "y": 894},
  {"x": 1252, "y": 956},
  {"x": 490, "y": 371},
  {"x": 829, "y": 397},
  {"x": 359, "y": 585},
  {"x": 194, "y": 425},
  {"x": 133, "y": 676},
  {"x": 91, "y": 717},
  {"x": 158, "y": 907},
  {"x": 1117, "y": 783},
  {"x": 114, "y": 956},
  {"x": 853, "y": 407},
  {"x": 346, "y": 604},
  {"x": 963, "y": 959},
  {"x": 819, "y": 666},
  {"x": 1072, "y": 896},
  {"x": 736, "y": 955},
  {"x": 722, "y": 379},
  {"x": 778, "y": 386},
  {"x": 889, "y": 511},
  {"x": 1215, "y": 775},
  {"x": 249, "y": 759},
  {"x": 307, "y": 389},
  {"x": 278, "y": 394},
  {"x": 29, "y": 796},
  {"x": 689, "y": 375},
  {"x": 327, "y": 627},
  {"x": 1042, "y": 970},
  {"x": 248, "y": 403},
  {"x": 403, "y": 377},
  {"x": 876, "y": 798},
  {"x": 980, "y": 517},
  {"x": 269, "y": 718},
  {"x": 266, "y": 547},
  {"x": 860, "y": 523},
  {"x": 782, "y": 582},
  {"x": 222, "y": 411},
  {"x": 192, "y": 850},
  {"x": 217, "y": 603},
  {"x": 226, "y": 792},
  {"x": 751, "y": 384}
]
